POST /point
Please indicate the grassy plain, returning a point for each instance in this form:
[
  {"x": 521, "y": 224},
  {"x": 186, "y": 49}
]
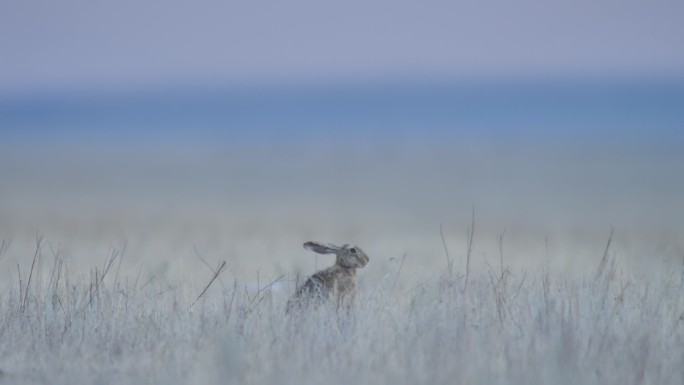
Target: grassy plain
[{"x": 107, "y": 252}]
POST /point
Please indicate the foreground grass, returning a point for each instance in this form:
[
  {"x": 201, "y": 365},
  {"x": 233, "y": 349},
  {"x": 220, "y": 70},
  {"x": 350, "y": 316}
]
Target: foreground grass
[{"x": 106, "y": 327}]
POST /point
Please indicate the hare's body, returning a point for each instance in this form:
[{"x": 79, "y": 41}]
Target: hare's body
[
  {"x": 338, "y": 280},
  {"x": 335, "y": 279}
]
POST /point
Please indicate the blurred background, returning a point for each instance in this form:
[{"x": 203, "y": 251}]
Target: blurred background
[{"x": 239, "y": 130}]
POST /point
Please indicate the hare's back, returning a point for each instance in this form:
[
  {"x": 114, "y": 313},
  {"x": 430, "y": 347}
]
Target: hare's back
[{"x": 317, "y": 285}]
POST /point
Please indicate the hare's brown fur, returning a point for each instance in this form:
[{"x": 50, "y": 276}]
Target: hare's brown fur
[{"x": 338, "y": 280}]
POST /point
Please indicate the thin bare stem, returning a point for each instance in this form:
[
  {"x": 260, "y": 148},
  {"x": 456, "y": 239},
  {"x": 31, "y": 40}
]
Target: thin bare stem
[
  {"x": 501, "y": 265},
  {"x": 21, "y": 287},
  {"x": 204, "y": 261},
  {"x": 24, "y": 302},
  {"x": 471, "y": 232},
  {"x": 546, "y": 280},
  {"x": 604, "y": 259},
  {"x": 93, "y": 289},
  {"x": 3, "y": 248},
  {"x": 221, "y": 267},
  {"x": 137, "y": 277},
  {"x": 400, "y": 265},
  {"x": 446, "y": 251},
  {"x": 118, "y": 268}
]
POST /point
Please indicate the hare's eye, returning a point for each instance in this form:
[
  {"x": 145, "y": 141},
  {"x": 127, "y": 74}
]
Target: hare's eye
[{"x": 352, "y": 250}]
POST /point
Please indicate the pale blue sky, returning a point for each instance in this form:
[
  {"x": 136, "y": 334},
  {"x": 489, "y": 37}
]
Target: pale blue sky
[{"x": 48, "y": 44}]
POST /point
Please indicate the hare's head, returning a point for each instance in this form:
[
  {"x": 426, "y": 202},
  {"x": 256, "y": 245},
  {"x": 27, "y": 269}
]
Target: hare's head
[{"x": 349, "y": 256}]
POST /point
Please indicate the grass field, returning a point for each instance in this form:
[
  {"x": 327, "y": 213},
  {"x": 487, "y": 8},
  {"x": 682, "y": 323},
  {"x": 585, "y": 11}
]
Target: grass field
[
  {"x": 106, "y": 253},
  {"x": 59, "y": 327}
]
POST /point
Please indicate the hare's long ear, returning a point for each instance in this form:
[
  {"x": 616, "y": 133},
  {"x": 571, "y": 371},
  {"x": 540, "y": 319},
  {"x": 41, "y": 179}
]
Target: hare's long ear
[{"x": 320, "y": 248}]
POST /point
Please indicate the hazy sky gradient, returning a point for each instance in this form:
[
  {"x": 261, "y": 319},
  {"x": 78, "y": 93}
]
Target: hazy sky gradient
[{"x": 86, "y": 44}]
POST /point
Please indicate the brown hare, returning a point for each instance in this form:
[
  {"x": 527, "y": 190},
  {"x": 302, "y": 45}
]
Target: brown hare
[{"x": 338, "y": 280}]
